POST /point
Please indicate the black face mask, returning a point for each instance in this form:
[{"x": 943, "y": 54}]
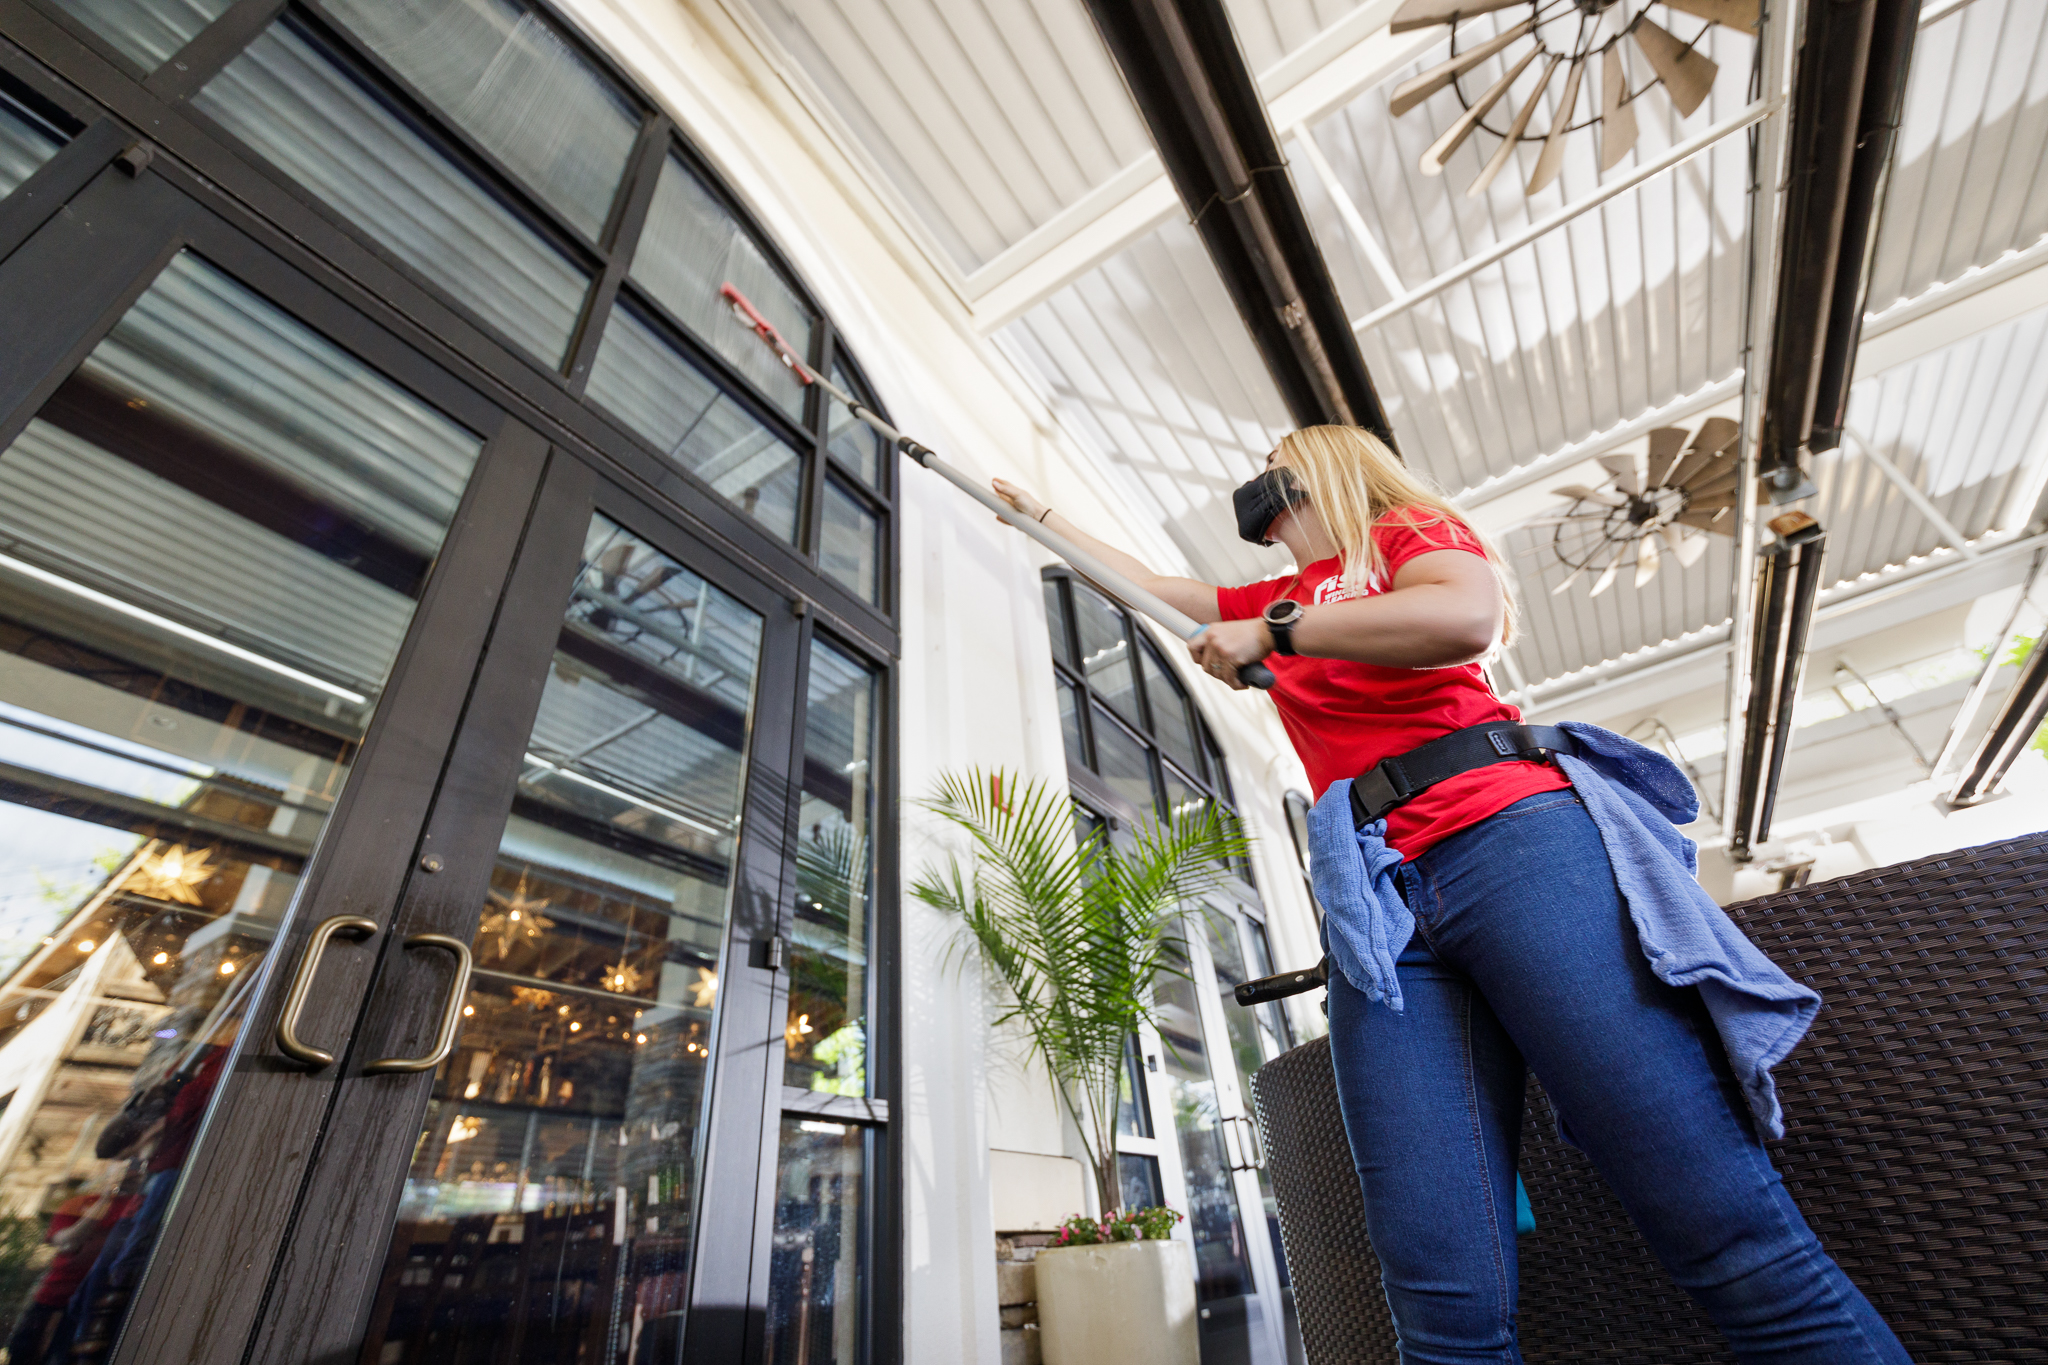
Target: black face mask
[{"x": 1260, "y": 503}]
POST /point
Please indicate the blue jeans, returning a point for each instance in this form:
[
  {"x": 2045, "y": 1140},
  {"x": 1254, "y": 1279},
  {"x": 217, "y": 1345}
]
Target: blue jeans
[{"x": 1524, "y": 957}]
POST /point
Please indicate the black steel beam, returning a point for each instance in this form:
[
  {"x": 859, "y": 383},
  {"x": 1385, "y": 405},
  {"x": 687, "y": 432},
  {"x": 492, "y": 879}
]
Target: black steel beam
[
  {"x": 2011, "y": 730},
  {"x": 1188, "y": 77},
  {"x": 1846, "y": 94},
  {"x": 1786, "y": 590}
]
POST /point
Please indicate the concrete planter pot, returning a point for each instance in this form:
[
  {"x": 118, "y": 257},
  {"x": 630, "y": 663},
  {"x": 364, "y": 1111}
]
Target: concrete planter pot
[{"x": 1120, "y": 1303}]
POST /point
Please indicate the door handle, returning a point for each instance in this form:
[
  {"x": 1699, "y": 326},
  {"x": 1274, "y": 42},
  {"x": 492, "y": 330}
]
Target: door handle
[
  {"x": 288, "y": 1041},
  {"x": 451, "y": 1016}
]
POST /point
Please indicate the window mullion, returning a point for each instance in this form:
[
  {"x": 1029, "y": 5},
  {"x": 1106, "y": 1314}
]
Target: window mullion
[{"x": 630, "y": 217}]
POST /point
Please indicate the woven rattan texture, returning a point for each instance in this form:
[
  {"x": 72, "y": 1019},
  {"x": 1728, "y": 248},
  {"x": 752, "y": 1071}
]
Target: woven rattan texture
[
  {"x": 1916, "y": 1138},
  {"x": 1337, "y": 1292}
]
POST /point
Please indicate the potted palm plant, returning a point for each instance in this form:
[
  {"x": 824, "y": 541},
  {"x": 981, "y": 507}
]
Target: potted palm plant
[{"x": 1073, "y": 931}]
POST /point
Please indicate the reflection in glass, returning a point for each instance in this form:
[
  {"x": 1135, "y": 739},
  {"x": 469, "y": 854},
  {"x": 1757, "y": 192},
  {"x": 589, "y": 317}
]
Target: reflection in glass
[
  {"x": 215, "y": 534},
  {"x": 665, "y": 398},
  {"x": 850, "y": 543},
  {"x": 817, "y": 1260},
  {"x": 1173, "y": 722},
  {"x": 146, "y": 31},
  {"x": 853, "y": 442},
  {"x": 1125, "y": 764},
  {"x": 549, "y": 1207},
  {"x": 1133, "y": 1105},
  {"x": 1139, "y": 1182},
  {"x": 1272, "y": 1019},
  {"x": 514, "y": 84},
  {"x": 26, "y": 142},
  {"x": 1070, "y": 725},
  {"x": 322, "y": 125},
  {"x": 1106, "y": 651},
  {"x": 1222, "y": 1265},
  {"x": 1056, "y": 621},
  {"x": 691, "y": 248},
  {"x": 826, "y": 1036}
]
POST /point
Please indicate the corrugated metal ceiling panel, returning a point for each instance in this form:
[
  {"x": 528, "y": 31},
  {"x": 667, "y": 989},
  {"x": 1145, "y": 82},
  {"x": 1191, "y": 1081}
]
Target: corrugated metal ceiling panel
[
  {"x": 1146, "y": 362},
  {"x": 1967, "y": 181},
  {"x": 1268, "y": 30},
  {"x": 988, "y": 116},
  {"x": 1626, "y": 308}
]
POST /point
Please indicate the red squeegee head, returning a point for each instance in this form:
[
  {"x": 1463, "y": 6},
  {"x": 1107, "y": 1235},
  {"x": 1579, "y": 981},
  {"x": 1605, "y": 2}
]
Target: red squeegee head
[{"x": 744, "y": 309}]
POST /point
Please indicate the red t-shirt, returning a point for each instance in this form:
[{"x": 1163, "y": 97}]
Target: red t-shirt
[{"x": 1345, "y": 717}]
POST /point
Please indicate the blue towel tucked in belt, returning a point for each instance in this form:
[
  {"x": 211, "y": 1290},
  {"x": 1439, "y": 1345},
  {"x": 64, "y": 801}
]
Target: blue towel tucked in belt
[{"x": 1636, "y": 797}]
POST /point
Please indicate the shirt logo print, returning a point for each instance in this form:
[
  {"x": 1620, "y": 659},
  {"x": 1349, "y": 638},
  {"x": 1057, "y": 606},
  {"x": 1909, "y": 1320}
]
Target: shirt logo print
[{"x": 1333, "y": 589}]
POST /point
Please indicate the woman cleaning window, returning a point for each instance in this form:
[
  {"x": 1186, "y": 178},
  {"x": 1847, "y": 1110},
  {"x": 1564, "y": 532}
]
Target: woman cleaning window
[{"x": 1501, "y": 898}]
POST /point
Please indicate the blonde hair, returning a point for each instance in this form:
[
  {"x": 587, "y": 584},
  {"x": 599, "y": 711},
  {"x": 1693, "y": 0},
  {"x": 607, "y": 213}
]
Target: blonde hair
[{"x": 1353, "y": 480}]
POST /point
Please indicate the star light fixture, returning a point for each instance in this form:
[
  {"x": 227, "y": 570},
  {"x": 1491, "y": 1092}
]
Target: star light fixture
[
  {"x": 174, "y": 874},
  {"x": 1567, "y": 36}
]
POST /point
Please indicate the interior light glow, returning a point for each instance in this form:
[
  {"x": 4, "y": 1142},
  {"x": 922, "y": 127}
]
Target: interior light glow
[
  {"x": 227, "y": 969},
  {"x": 85, "y": 945},
  {"x": 639, "y": 1040},
  {"x": 575, "y": 1027},
  {"x": 161, "y": 958},
  {"x": 468, "y": 1010},
  {"x": 183, "y": 632}
]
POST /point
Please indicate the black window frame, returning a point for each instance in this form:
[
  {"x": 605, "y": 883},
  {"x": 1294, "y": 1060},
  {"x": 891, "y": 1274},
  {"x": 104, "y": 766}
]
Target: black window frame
[
  {"x": 606, "y": 261},
  {"x": 1213, "y": 783},
  {"x": 109, "y": 107}
]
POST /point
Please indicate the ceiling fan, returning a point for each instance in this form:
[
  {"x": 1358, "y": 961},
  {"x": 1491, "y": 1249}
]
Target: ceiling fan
[
  {"x": 1666, "y": 498},
  {"x": 1571, "y": 34}
]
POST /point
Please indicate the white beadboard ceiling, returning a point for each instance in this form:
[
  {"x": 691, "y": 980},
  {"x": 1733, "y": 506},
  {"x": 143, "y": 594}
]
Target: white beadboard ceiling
[{"x": 990, "y": 118}]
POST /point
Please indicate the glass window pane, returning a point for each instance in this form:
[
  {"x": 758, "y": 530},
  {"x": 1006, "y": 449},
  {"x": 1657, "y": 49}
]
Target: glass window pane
[
  {"x": 1222, "y": 1269},
  {"x": 1272, "y": 1018},
  {"x": 1070, "y": 726},
  {"x": 1138, "y": 1181},
  {"x": 1106, "y": 650},
  {"x": 1219, "y": 771},
  {"x": 504, "y": 73},
  {"x": 856, "y": 445},
  {"x": 817, "y": 1262},
  {"x": 1133, "y": 1105},
  {"x": 826, "y": 1035},
  {"x": 1173, "y": 724},
  {"x": 566, "y": 1129},
  {"x": 1125, "y": 764},
  {"x": 321, "y": 125},
  {"x": 146, "y": 31},
  {"x": 660, "y": 394},
  {"x": 690, "y": 249},
  {"x": 850, "y": 543},
  {"x": 26, "y": 142},
  {"x": 1182, "y": 798},
  {"x": 1056, "y": 621},
  {"x": 216, "y": 532}
]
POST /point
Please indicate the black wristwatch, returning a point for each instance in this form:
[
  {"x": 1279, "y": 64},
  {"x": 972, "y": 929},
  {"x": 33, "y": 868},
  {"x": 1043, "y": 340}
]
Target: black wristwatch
[{"x": 1281, "y": 617}]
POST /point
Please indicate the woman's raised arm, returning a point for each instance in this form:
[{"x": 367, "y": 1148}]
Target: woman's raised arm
[{"x": 1196, "y": 598}]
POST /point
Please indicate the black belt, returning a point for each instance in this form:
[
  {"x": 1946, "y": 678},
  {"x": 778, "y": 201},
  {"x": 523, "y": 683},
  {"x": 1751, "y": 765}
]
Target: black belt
[{"x": 1406, "y": 776}]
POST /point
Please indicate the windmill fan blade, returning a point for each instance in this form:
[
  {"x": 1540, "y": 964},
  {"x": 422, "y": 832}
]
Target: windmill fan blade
[
  {"x": 1569, "y": 579},
  {"x": 1617, "y": 118},
  {"x": 1416, "y": 89},
  {"x": 1718, "y": 520},
  {"x": 1585, "y": 494},
  {"x": 1685, "y": 73},
  {"x": 1666, "y": 443},
  {"x": 1454, "y": 137},
  {"x": 1707, "y": 491},
  {"x": 1648, "y": 556},
  {"x": 1740, "y": 14},
  {"x": 1506, "y": 151},
  {"x": 1687, "y": 544},
  {"x": 1624, "y": 469},
  {"x": 1718, "y": 470},
  {"x": 1422, "y": 13},
  {"x": 1552, "y": 159},
  {"x": 1606, "y": 579},
  {"x": 1713, "y": 439}
]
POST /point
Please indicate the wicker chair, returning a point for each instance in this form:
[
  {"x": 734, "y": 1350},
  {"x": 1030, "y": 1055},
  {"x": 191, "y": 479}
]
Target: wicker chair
[{"x": 1916, "y": 1139}]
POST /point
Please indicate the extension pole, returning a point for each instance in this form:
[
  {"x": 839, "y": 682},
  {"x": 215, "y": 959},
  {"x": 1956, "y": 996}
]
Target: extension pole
[{"x": 1118, "y": 586}]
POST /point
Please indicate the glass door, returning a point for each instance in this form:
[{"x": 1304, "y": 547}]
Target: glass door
[{"x": 226, "y": 541}]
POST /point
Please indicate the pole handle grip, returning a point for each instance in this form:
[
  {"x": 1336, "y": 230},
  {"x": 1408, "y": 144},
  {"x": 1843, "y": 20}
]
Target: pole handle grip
[{"x": 1257, "y": 675}]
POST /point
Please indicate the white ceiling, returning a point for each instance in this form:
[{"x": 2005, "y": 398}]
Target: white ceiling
[{"x": 996, "y": 121}]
